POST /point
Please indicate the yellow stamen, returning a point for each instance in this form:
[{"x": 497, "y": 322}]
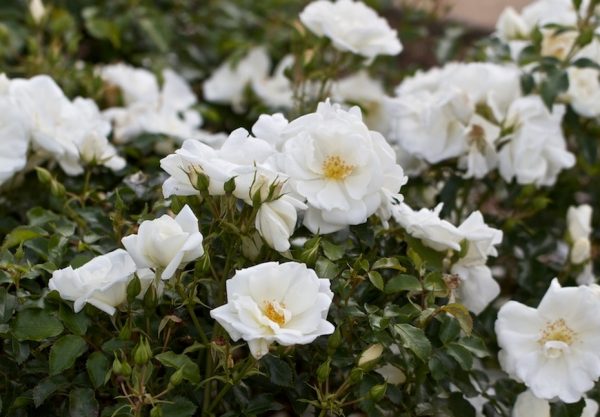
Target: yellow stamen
[
  {"x": 335, "y": 168},
  {"x": 275, "y": 314},
  {"x": 557, "y": 331}
]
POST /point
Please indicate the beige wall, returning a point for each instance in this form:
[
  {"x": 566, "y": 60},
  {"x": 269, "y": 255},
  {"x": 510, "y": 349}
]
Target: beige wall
[{"x": 481, "y": 12}]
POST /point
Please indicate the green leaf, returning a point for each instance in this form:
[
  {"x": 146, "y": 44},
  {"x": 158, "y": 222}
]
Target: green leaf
[
  {"x": 279, "y": 371},
  {"x": 98, "y": 367},
  {"x": 460, "y": 355},
  {"x": 475, "y": 345},
  {"x": 331, "y": 251},
  {"x": 82, "y": 403},
  {"x": 325, "y": 268},
  {"x": 76, "y": 322},
  {"x": 414, "y": 339},
  {"x": 556, "y": 82},
  {"x": 191, "y": 372},
  {"x": 461, "y": 314},
  {"x": 460, "y": 406},
  {"x": 36, "y": 324},
  {"x": 64, "y": 352},
  {"x": 8, "y": 304},
  {"x": 560, "y": 409},
  {"x": 449, "y": 330},
  {"x": 22, "y": 234},
  {"x": 388, "y": 263},
  {"x": 179, "y": 407},
  {"x": 47, "y": 387},
  {"x": 376, "y": 280},
  {"x": 435, "y": 282},
  {"x": 309, "y": 253},
  {"x": 402, "y": 282}
]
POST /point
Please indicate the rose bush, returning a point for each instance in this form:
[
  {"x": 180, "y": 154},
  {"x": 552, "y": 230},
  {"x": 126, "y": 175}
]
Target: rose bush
[{"x": 283, "y": 208}]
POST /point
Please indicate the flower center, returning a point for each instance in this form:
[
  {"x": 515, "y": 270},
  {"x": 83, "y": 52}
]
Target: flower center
[
  {"x": 275, "y": 312},
  {"x": 476, "y": 136},
  {"x": 335, "y": 168},
  {"x": 557, "y": 331}
]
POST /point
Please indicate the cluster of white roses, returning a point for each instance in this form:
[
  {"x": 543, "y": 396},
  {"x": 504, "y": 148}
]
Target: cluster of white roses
[
  {"x": 516, "y": 29},
  {"x": 228, "y": 84},
  {"x": 268, "y": 302},
  {"x": 477, "y": 288},
  {"x": 160, "y": 247},
  {"x": 351, "y": 26},
  {"x": 476, "y": 113},
  {"x": 148, "y": 108},
  {"x": 38, "y": 122},
  {"x": 327, "y": 164}
]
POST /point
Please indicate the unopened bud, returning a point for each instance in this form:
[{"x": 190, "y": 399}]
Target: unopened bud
[
  {"x": 356, "y": 375},
  {"x": 117, "y": 366},
  {"x": 377, "y": 392},
  {"x": 177, "y": 377},
  {"x": 324, "y": 370},
  {"x": 142, "y": 353}
]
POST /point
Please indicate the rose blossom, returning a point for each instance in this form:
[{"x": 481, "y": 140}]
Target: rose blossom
[
  {"x": 554, "y": 349},
  {"x": 102, "y": 282},
  {"x": 352, "y": 26},
  {"x": 166, "y": 243},
  {"x": 345, "y": 171},
  {"x": 271, "y": 302}
]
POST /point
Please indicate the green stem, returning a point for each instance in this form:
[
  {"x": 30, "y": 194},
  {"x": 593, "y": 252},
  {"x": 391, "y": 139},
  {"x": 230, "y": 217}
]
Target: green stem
[{"x": 249, "y": 363}]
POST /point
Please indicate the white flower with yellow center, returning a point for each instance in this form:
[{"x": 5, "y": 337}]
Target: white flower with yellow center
[
  {"x": 351, "y": 26},
  {"x": 343, "y": 170},
  {"x": 554, "y": 349},
  {"x": 271, "y": 302}
]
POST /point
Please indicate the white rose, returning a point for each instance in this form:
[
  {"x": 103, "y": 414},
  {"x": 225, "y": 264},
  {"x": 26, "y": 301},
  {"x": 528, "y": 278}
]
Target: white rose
[
  {"x": 136, "y": 84},
  {"x": 579, "y": 227},
  {"x": 528, "y": 405},
  {"x": 95, "y": 149},
  {"x": 271, "y": 302},
  {"x": 165, "y": 110},
  {"x": 239, "y": 155},
  {"x": 510, "y": 25},
  {"x": 102, "y": 282},
  {"x": 481, "y": 156},
  {"x": 361, "y": 89},
  {"x": 536, "y": 151},
  {"x": 54, "y": 120},
  {"x": 554, "y": 349},
  {"x": 558, "y": 45},
  {"x": 166, "y": 243},
  {"x": 431, "y": 126},
  {"x": 342, "y": 169},
  {"x": 543, "y": 12},
  {"x": 270, "y": 128},
  {"x": 492, "y": 85},
  {"x": 584, "y": 91},
  {"x": 482, "y": 239},
  {"x": 427, "y": 226},
  {"x": 227, "y": 84},
  {"x": 14, "y": 139},
  {"x": 276, "y": 221},
  {"x": 352, "y": 26},
  {"x": 477, "y": 286},
  {"x": 276, "y": 91}
]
